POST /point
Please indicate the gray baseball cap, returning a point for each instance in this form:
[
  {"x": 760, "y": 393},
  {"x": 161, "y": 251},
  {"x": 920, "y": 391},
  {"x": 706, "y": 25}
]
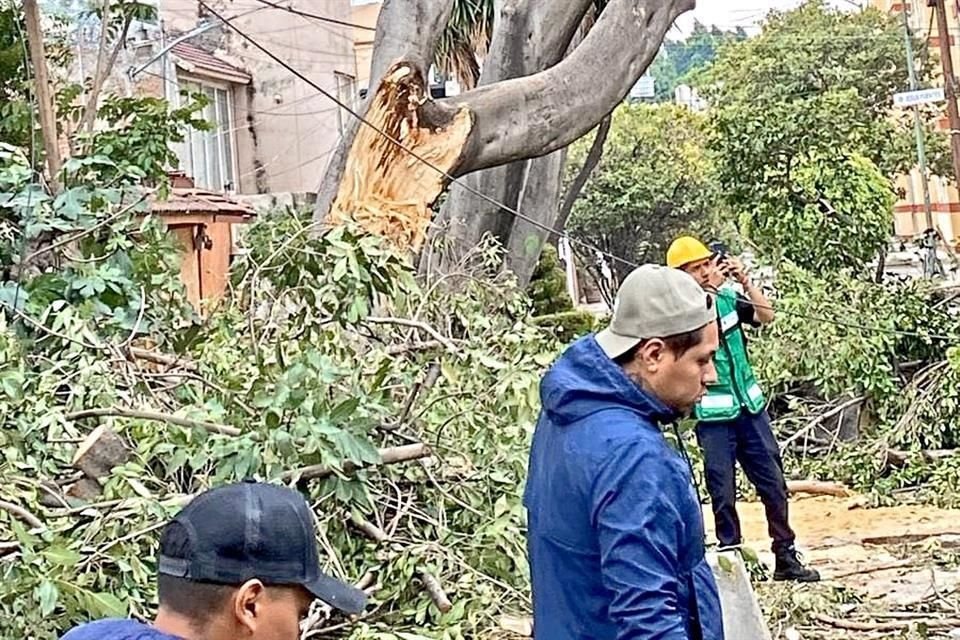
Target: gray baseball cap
[{"x": 655, "y": 302}]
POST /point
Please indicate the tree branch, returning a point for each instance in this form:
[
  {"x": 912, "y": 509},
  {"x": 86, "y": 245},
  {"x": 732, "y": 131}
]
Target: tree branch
[
  {"x": 390, "y": 455},
  {"x": 539, "y": 114},
  {"x": 105, "y": 62},
  {"x": 415, "y": 324},
  {"x": 21, "y": 514},
  {"x": 589, "y": 164},
  {"x": 120, "y": 412}
]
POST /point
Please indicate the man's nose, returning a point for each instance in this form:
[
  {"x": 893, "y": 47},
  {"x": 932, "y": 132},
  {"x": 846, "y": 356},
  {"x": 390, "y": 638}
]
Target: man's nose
[{"x": 710, "y": 374}]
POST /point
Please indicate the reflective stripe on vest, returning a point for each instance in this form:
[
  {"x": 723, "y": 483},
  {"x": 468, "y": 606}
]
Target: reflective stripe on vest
[{"x": 736, "y": 387}]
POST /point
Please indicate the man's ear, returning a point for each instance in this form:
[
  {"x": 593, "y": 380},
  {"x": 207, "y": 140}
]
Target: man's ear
[
  {"x": 248, "y": 604},
  {"x": 650, "y": 354}
]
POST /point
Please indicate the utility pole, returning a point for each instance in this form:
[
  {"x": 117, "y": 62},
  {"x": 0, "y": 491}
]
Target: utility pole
[
  {"x": 930, "y": 262},
  {"x": 950, "y": 84},
  {"x": 42, "y": 90}
]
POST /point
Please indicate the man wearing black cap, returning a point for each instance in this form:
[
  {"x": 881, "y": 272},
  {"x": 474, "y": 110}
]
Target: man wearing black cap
[{"x": 240, "y": 561}]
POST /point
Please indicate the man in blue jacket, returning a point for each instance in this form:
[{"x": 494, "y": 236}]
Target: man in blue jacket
[
  {"x": 240, "y": 561},
  {"x": 615, "y": 533}
]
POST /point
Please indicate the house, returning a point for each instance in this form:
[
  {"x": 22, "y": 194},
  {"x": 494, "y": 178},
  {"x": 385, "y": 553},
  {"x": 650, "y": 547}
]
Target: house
[
  {"x": 910, "y": 211},
  {"x": 272, "y": 133}
]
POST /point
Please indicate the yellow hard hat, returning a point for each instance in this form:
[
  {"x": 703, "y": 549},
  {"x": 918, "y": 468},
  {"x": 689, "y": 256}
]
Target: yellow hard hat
[{"x": 685, "y": 250}]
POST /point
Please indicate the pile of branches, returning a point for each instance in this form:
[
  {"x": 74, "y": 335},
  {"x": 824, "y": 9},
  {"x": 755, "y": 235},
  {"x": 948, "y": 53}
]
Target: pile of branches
[
  {"x": 872, "y": 400},
  {"x": 402, "y": 409}
]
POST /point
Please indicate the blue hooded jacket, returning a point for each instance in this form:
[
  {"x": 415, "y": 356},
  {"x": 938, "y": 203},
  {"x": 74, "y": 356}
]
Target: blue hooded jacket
[
  {"x": 116, "y": 629},
  {"x": 615, "y": 528}
]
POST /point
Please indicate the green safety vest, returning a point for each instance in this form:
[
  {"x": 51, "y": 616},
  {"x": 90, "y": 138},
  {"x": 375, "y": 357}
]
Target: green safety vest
[{"x": 736, "y": 387}]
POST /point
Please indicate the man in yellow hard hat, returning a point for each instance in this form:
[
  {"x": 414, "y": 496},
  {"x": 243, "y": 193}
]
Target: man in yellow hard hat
[{"x": 732, "y": 421}]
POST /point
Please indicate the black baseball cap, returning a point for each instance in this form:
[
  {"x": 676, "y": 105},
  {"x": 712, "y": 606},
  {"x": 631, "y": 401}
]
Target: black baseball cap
[{"x": 239, "y": 532}]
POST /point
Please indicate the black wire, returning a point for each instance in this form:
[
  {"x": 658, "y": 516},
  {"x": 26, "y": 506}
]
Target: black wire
[
  {"x": 307, "y": 14},
  {"x": 514, "y": 211}
]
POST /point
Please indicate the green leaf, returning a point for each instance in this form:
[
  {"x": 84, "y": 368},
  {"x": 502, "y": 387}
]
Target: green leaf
[
  {"x": 108, "y": 605},
  {"x": 61, "y": 556},
  {"x": 344, "y": 410},
  {"x": 47, "y": 595}
]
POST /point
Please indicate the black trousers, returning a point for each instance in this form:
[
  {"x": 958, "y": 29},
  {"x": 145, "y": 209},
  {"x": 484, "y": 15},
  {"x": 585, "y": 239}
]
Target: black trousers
[{"x": 747, "y": 439}]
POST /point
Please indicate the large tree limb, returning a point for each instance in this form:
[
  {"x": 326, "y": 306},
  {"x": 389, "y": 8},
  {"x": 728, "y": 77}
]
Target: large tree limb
[
  {"x": 536, "y": 115},
  {"x": 583, "y": 175}
]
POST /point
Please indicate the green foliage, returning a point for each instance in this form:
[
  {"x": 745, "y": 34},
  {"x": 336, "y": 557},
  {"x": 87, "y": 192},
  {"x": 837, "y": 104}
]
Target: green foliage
[
  {"x": 548, "y": 286},
  {"x": 800, "y": 115},
  {"x": 138, "y": 134},
  {"x": 836, "y": 355},
  {"x": 654, "y": 182},
  {"x": 836, "y": 214},
  {"x": 567, "y": 326},
  {"x": 679, "y": 59},
  {"x": 294, "y": 360}
]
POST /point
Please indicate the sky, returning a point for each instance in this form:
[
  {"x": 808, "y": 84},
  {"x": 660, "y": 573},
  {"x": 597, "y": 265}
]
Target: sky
[{"x": 730, "y": 14}]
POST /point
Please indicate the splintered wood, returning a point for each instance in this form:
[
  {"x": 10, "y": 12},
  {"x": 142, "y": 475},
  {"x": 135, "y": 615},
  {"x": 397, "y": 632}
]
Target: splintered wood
[{"x": 386, "y": 190}]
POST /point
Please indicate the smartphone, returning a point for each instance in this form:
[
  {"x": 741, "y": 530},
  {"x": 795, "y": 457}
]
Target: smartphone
[{"x": 719, "y": 250}]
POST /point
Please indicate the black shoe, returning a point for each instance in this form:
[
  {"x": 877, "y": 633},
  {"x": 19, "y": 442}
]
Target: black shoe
[{"x": 790, "y": 567}]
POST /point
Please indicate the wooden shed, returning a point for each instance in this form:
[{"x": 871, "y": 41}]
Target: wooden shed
[{"x": 202, "y": 222}]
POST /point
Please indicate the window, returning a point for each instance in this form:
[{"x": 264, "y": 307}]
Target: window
[
  {"x": 208, "y": 156},
  {"x": 347, "y": 94}
]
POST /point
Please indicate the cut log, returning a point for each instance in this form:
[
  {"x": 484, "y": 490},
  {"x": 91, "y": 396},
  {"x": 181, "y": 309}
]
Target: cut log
[
  {"x": 100, "y": 452},
  {"x": 817, "y": 488}
]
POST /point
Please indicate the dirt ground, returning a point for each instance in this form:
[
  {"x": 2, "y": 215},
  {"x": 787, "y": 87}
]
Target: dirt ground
[{"x": 887, "y": 556}]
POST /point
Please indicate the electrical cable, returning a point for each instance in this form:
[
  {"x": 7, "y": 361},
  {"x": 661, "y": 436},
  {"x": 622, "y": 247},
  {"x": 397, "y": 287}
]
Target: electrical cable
[{"x": 512, "y": 210}]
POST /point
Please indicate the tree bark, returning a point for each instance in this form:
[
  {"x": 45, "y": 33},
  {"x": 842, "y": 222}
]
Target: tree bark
[
  {"x": 589, "y": 164},
  {"x": 44, "y": 92},
  {"x": 538, "y": 202},
  {"x": 500, "y": 123},
  {"x": 523, "y": 44}
]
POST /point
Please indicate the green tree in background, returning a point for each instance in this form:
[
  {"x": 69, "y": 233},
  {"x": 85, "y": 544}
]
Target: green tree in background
[
  {"x": 679, "y": 58},
  {"x": 655, "y": 181},
  {"x": 804, "y": 131}
]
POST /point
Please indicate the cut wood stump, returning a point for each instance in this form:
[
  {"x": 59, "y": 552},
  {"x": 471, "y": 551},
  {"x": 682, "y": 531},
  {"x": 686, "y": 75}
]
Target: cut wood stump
[
  {"x": 100, "y": 452},
  {"x": 96, "y": 457}
]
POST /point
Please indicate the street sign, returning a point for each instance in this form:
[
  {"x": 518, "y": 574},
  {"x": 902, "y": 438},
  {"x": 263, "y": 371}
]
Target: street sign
[
  {"x": 914, "y": 98},
  {"x": 645, "y": 88}
]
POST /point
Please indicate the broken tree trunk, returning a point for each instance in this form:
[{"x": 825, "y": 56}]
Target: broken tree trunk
[{"x": 507, "y": 121}]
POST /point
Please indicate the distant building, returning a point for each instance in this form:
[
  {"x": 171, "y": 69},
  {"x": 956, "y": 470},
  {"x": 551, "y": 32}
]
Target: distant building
[
  {"x": 687, "y": 96},
  {"x": 272, "y": 133},
  {"x": 909, "y": 213}
]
